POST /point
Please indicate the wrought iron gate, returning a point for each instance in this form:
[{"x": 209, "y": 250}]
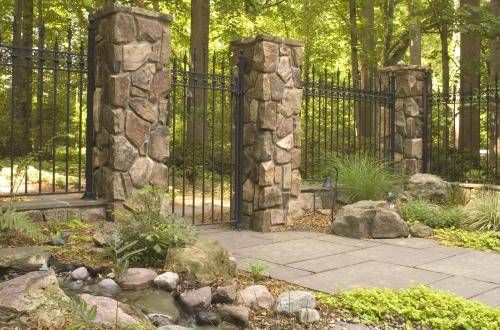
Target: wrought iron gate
[{"x": 205, "y": 112}]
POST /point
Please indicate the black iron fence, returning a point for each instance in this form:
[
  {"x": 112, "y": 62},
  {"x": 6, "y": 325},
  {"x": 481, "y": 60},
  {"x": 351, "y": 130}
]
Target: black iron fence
[
  {"x": 340, "y": 118},
  {"x": 464, "y": 130},
  {"x": 43, "y": 107},
  {"x": 204, "y": 109}
]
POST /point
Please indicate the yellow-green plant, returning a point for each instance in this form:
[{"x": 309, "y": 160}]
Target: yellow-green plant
[
  {"x": 432, "y": 215},
  {"x": 257, "y": 270},
  {"x": 418, "y": 306}
]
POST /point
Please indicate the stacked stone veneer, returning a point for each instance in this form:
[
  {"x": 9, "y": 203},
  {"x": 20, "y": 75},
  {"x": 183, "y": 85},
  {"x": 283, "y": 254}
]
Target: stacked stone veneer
[
  {"x": 130, "y": 107},
  {"x": 272, "y": 101},
  {"x": 411, "y": 88}
]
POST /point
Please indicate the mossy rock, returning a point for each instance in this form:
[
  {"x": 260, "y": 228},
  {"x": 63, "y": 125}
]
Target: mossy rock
[{"x": 205, "y": 262}]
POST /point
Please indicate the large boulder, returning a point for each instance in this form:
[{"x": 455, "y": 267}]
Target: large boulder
[
  {"x": 429, "y": 187},
  {"x": 290, "y": 302},
  {"x": 27, "y": 300},
  {"x": 110, "y": 313},
  {"x": 256, "y": 297},
  {"x": 205, "y": 262},
  {"x": 369, "y": 219},
  {"x": 25, "y": 258}
]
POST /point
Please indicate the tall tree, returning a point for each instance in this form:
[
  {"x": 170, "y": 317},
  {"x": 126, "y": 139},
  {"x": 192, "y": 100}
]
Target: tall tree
[
  {"x": 22, "y": 76},
  {"x": 415, "y": 34},
  {"x": 470, "y": 57},
  {"x": 494, "y": 76},
  {"x": 200, "y": 21},
  {"x": 353, "y": 38}
]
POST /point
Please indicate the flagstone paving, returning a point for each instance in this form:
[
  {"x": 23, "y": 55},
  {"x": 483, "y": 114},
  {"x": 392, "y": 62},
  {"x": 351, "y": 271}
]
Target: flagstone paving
[{"x": 330, "y": 263}]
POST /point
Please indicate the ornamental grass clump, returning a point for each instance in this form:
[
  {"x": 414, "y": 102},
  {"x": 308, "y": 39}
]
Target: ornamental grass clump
[
  {"x": 363, "y": 177},
  {"x": 484, "y": 215}
]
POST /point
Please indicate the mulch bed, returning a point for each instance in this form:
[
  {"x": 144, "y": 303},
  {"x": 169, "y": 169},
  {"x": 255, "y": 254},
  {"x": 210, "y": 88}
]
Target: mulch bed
[{"x": 319, "y": 221}]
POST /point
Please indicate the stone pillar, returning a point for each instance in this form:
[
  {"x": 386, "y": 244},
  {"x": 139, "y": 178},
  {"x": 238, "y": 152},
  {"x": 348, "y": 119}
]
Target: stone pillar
[
  {"x": 412, "y": 88},
  {"x": 131, "y": 136},
  {"x": 272, "y": 137}
]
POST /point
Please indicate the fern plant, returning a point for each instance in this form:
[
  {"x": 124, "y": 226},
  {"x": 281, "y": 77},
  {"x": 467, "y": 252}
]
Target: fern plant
[
  {"x": 82, "y": 314},
  {"x": 122, "y": 251},
  {"x": 11, "y": 220}
]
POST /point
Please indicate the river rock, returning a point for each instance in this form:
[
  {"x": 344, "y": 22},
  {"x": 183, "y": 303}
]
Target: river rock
[
  {"x": 204, "y": 318},
  {"x": 158, "y": 302},
  {"x": 81, "y": 273},
  {"x": 110, "y": 313},
  {"x": 32, "y": 296},
  {"x": 237, "y": 315},
  {"x": 290, "y": 302},
  {"x": 369, "y": 219},
  {"x": 75, "y": 285},
  {"x": 173, "y": 327},
  {"x": 196, "y": 300},
  {"x": 137, "y": 278},
  {"x": 256, "y": 297},
  {"x": 225, "y": 294},
  {"x": 26, "y": 258},
  {"x": 108, "y": 287},
  {"x": 205, "y": 262},
  {"x": 429, "y": 187},
  {"x": 420, "y": 230},
  {"x": 307, "y": 315},
  {"x": 167, "y": 281}
]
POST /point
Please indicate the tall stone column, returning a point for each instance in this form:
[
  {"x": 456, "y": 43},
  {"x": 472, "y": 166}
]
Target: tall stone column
[
  {"x": 412, "y": 89},
  {"x": 272, "y": 137},
  {"x": 131, "y": 136}
]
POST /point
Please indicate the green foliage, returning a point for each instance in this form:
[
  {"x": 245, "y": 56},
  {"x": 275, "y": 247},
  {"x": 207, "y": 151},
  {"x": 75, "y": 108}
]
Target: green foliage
[
  {"x": 488, "y": 241},
  {"x": 11, "y": 220},
  {"x": 153, "y": 232},
  {"x": 484, "y": 214},
  {"x": 257, "y": 270},
  {"x": 82, "y": 314},
  {"x": 457, "y": 196},
  {"x": 363, "y": 177},
  {"x": 417, "y": 305},
  {"x": 432, "y": 215},
  {"x": 121, "y": 252}
]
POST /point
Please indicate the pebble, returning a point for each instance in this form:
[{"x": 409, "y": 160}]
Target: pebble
[{"x": 80, "y": 273}]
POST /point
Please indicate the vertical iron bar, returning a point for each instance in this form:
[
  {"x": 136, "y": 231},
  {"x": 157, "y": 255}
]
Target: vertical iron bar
[
  {"x": 185, "y": 99},
  {"x": 306, "y": 141},
  {"x": 338, "y": 111},
  {"x": 54, "y": 114},
  {"x": 68, "y": 105},
  {"x": 222, "y": 98},
  {"x": 203, "y": 137},
  {"x": 80, "y": 114},
  {"x": 89, "y": 131},
  {"x": 212, "y": 117},
  {"x": 39, "y": 97},
  {"x": 194, "y": 86},
  {"x": 239, "y": 141},
  {"x": 392, "y": 105},
  {"x": 173, "y": 105}
]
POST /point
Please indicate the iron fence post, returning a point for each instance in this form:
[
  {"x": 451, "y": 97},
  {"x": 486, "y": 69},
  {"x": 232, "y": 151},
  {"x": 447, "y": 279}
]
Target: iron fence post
[
  {"x": 426, "y": 101},
  {"x": 392, "y": 110},
  {"x": 89, "y": 136},
  {"x": 239, "y": 142}
]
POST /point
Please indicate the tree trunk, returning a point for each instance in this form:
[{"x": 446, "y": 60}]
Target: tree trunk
[
  {"x": 445, "y": 57},
  {"x": 354, "y": 39},
  {"x": 22, "y": 77},
  {"x": 470, "y": 48},
  {"x": 389, "y": 16},
  {"x": 494, "y": 62},
  {"x": 364, "y": 117},
  {"x": 415, "y": 37},
  {"x": 200, "y": 20}
]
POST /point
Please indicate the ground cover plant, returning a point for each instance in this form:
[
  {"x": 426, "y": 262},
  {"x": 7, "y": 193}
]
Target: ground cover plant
[
  {"x": 417, "y": 305},
  {"x": 478, "y": 240},
  {"x": 432, "y": 215}
]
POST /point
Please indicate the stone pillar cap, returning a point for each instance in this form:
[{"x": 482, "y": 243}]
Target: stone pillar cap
[
  {"x": 117, "y": 8},
  {"x": 270, "y": 38}
]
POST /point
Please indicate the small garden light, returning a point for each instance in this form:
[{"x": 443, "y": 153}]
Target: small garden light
[{"x": 391, "y": 199}]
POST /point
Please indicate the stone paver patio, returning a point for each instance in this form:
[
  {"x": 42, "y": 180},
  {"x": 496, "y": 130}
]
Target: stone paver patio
[{"x": 328, "y": 263}]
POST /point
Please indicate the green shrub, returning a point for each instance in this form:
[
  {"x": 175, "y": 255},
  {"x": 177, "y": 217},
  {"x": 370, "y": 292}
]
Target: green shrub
[
  {"x": 417, "y": 306},
  {"x": 256, "y": 270},
  {"x": 432, "y": 215},
  {"x": 484, "y": 214},
  {"x": 153, "y": 232},
  {"x": 11, "y": 220},
  {"x": 457, "y": 196},
  {"x": 363, "y": 177},
  {"x": 488, "y": 241}
]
